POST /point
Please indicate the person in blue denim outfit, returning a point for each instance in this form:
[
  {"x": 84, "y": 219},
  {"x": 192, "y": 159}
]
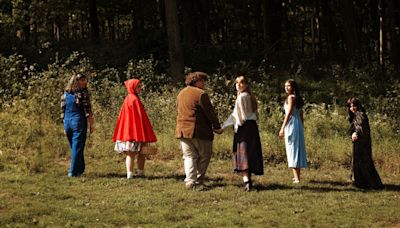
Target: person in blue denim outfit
[{"x": 76, "y": 110}]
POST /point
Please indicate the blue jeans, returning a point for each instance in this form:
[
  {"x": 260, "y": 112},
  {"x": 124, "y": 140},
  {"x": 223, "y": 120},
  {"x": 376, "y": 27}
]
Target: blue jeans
[
  {"x": 75, "y": 126},
  {"x": 76, "y": 133}
]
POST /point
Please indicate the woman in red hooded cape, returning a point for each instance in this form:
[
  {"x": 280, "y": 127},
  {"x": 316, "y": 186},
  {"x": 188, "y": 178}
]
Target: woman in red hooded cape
[{"x": 133, "y": 128}]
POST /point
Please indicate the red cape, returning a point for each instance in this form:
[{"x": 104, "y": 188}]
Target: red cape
[{"x": 133, "y": 123}]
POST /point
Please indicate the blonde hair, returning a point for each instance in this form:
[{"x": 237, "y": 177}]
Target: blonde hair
[{"x": 248, "y": 90}]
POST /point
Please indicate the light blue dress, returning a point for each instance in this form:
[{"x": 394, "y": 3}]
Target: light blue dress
[{"x": 294, "y": 139}]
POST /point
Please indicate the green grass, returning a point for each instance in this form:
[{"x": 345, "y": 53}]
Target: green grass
[
  {"x": 35, "y": 189},
  {"x": 103, "y": 197}
]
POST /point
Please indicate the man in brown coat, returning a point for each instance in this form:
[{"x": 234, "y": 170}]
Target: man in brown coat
[{"x": 196, "y": 124}]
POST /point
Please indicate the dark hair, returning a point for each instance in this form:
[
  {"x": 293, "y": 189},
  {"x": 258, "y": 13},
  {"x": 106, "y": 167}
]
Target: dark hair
[
  {"x": 357, "y": 103},
  {"x": 299, "y": 102},
  {"x": 248, "y": 90},
  {"x": 193, "y": 77},
  {"x": 73, "y": 85},
  {"x": 79, "y": 76}
]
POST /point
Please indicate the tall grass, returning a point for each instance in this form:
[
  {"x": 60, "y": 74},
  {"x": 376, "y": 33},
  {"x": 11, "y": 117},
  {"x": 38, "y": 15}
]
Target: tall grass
[
  {"x": 32, "y": 133},
  {"x": 32, "y": 141}
]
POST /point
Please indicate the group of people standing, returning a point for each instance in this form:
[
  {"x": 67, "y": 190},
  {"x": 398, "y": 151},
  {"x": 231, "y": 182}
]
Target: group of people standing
[{"x": 197, "y": 122}]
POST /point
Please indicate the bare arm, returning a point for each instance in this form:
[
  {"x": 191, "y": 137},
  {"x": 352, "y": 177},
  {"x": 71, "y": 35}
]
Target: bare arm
[{"x": 287, "y": 116}]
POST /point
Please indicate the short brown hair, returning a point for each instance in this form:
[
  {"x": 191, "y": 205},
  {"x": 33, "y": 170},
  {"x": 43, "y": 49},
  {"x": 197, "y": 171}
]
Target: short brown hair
[{"x": 193, "y": 77}]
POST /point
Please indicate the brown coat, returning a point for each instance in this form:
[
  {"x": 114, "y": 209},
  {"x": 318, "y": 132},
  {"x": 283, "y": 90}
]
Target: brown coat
[{"x": 196, "y": 115}]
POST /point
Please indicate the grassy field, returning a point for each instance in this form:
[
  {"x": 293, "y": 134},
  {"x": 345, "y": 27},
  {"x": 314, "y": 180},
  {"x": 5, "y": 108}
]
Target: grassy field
[
  {"x": 35, "y": 189},
  {"x": 104, "y": 198}
]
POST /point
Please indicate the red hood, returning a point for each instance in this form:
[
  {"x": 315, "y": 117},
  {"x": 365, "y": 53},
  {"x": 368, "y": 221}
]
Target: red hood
[{"x": 131, "y": 85}]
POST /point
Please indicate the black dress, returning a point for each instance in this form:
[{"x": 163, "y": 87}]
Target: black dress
[
  {"x": 247, "y": 153},
  {"x": 363, "y": 169}
]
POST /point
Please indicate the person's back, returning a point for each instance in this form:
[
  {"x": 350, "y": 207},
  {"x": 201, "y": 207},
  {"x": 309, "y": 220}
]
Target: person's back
[
  {"x": 72, "y": 110},
  {"x": 195, "y": 123},
  {"x": 196, "y": 116}
]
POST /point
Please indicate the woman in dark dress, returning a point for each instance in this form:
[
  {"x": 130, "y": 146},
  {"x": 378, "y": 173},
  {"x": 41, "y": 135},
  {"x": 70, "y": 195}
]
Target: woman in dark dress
[
  {"x": 247, "y": 152},
  {"x": 364, "y": 174}
]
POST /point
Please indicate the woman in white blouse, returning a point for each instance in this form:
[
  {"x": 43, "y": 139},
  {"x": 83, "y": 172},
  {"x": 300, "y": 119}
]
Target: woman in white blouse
[{"x": 247, "y": 153}]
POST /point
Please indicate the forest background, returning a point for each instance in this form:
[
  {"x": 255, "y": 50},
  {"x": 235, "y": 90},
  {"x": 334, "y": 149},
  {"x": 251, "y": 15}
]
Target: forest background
[{"x": 333, "y": 49}]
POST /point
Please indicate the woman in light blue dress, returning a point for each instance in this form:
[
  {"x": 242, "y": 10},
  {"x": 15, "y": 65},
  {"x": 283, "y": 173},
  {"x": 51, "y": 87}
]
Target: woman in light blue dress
[{"x": 292, "y": 130}]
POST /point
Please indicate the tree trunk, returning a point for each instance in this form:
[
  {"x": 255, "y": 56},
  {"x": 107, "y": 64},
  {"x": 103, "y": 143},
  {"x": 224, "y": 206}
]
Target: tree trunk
[
  {"x": 201, "y": 10},
  {"x": 93, "y": 20},
  {"x": 174, "y": 42},
  {"x": 57, "y": 28},
  {"x": 188, "y": 25},
  {"x": 393, "y": 8},
  {"x": 382, "y": 37},
  {"x": 350, "y": 29},
  {"x": 27, "y": 29},
  {"x": 373, "y": 30},
  {"x": 316, "y": 30},
  {"x": 272, "y": 23},
  {"x": 138, "y": 23}
]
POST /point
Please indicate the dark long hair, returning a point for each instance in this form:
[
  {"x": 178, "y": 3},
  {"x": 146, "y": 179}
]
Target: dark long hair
[
  {"x": 357, "y": 103},
  {"x": 299, "y": 102}
]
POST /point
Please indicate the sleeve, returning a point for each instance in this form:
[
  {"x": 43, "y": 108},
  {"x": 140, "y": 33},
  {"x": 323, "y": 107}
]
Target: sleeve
[
  {"x": 361, "y": 125},
  {"x": 228, "y": 122},
  {"x": 87, "y": 106},
  {"x": 244, "y": 107},
  {"x": 63, "y": 103},
  {"x": 209, "y": 111},
  {"x": 365, "y": 125}
]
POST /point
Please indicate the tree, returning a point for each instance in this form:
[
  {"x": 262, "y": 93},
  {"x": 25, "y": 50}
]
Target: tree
[
  {"x": 394, "y": 16},
  {"x": 328, "y": 25},
  {"x": 350, "y": 29},
  {"x": 93, "y": 20},
  {"x": 174, "y": 41},
  {"x": 272, "y": 23}
]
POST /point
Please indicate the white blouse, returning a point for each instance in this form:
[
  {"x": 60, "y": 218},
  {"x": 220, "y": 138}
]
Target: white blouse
[{"x": 242, "y": 111}]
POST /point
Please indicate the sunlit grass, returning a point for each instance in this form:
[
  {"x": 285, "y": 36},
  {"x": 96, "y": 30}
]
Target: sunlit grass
[{"x": 103, "y": 197}]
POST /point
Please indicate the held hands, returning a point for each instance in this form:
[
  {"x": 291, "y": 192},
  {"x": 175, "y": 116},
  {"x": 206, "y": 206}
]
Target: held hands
[
  {"x": 354, "y": 137},
  {"x": 218, "y": 131}
]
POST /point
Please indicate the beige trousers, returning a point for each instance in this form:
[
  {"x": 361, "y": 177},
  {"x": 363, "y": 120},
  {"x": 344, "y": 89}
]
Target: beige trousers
[{"x": 196, "y": 158}]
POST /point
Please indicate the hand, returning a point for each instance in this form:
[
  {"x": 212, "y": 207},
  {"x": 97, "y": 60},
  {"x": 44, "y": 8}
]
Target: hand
[
  {"x": 219, "y": 131},
  {"x": 91, "y": 124},
  {"x": 354, "y": 137},
  {"x": 281, "y": 133},
  {"x": 91, "y": 128}
]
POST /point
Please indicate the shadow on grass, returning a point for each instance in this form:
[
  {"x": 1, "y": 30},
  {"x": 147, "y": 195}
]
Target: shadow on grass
[
  {"x": 306, "y": 187},
  {"x": 334, "y": 183},
  {"x": 210, "y": 183},
  {"x": 386, "y": 187},
  {"x": 217, "y": 182},
  {"x": 391, "y": 187}
]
